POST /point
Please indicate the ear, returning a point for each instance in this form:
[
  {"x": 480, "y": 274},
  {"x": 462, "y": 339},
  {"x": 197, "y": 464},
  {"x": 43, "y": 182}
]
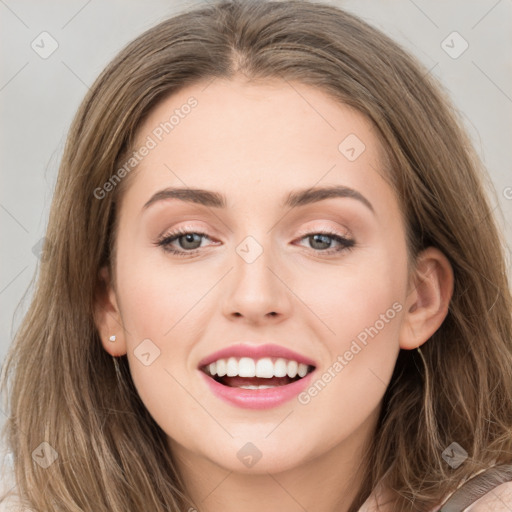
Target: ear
[
  {"x": 107, "y": 316},
  {"x": 431, "y": 289}
]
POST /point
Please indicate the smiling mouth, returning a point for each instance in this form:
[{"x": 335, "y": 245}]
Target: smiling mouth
[{"x": 264, "y": 373}]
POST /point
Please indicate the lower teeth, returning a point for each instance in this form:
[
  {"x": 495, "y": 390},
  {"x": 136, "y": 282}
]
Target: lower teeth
[{"x": 256, "y": 387}]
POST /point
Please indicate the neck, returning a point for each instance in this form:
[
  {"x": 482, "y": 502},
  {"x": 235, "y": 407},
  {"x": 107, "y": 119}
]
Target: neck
[{"x": 327, "y": 482}]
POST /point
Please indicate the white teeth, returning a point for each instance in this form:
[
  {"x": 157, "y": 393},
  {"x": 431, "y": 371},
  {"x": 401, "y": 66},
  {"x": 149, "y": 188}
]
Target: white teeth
[
  {"x": 257, "y": 387},
  {"x": 292, "y": 369},
  {"x": 246, "y": 367},
  {"x": 280, "y": 368},
  {"x": 221, "y": 368},
  {"x": 263, "y": 368},
  {"x": 232, "y": 367}
]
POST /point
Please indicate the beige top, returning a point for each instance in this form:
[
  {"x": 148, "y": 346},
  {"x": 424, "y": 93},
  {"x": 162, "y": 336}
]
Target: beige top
[{"x": 496, "y": 499}]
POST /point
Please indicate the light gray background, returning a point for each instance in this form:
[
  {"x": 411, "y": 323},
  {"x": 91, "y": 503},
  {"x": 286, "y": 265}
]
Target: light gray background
[{"x": 38, "y": 98}]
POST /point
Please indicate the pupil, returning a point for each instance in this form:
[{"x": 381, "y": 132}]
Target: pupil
[
  {"x": 318, "y": 238},
  {"x": 189, "y": 238}
]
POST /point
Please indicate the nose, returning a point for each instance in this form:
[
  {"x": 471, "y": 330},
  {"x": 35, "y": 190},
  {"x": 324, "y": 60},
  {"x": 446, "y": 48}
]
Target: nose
[{"x": 257, "y": 291}]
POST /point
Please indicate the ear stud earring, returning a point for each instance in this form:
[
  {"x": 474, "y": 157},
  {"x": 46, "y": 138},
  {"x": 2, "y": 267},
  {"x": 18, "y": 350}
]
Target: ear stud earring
[{"x": 112, "y": 338}]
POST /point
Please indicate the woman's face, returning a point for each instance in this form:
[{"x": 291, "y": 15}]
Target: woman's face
[{"x": 255, "y": 274}]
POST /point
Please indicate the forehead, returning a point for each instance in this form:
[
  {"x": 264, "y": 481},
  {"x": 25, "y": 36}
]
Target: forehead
[{"x": 232, "y": 135}]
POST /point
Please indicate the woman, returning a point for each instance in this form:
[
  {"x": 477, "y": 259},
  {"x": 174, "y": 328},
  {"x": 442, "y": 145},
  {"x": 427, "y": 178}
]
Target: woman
[{"x": 337, "y": 337}]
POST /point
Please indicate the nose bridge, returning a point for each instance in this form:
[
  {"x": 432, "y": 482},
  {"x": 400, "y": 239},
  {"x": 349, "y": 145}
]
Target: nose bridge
[
  {"x": 252, "y": 264},
  {"x": 255, "y": 290}
]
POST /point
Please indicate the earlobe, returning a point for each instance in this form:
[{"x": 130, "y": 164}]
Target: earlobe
[
  {"x": 429, "y": 299},
  {"x": 107, "y": 316}
]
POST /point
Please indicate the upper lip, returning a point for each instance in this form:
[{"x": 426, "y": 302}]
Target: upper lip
[{"x": 255, "y": 352}]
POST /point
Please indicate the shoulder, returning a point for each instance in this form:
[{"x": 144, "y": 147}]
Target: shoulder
[{"x": 498, "y": 499}]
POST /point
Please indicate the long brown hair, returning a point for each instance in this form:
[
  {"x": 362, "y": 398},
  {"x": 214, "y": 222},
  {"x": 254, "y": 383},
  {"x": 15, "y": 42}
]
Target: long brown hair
[{"x": 64, "y": 387}]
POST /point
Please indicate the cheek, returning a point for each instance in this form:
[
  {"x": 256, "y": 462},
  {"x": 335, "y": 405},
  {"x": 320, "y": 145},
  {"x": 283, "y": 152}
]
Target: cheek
[
  {"x": 156, "y": 295},
  {"x": 163, "y": 309},
  {"x": 365, "y": 316},
  {"x": 158, "y": 333},
  {"x": 361, "y": 304},
  {"x": 353, "y": 296},
  {"x": 149, "y": 306}
]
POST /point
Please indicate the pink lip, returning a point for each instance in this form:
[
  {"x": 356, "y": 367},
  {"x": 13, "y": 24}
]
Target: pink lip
[
  {"x": 257, "y": 398},
  {"x": 256, "y": 352}
]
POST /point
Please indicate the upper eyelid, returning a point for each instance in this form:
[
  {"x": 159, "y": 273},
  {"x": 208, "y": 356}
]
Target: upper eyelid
[
  {"x": 345, "y": 232},
  {"x": 303, "y": 232},
  {"x": 342, "y": 230}
]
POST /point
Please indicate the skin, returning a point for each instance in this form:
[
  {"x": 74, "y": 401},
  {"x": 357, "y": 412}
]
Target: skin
[{"x": 255, "y": 143}]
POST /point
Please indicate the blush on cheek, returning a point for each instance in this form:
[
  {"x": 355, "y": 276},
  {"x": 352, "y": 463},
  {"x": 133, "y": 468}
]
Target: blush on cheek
[{"x": 369, "y": 328}]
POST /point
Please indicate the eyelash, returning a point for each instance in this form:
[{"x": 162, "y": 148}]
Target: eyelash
[{"x": 346, "y": 243}]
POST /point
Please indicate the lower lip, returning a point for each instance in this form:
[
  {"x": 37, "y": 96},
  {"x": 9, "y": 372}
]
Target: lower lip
[{"x": 257, "y": 398}]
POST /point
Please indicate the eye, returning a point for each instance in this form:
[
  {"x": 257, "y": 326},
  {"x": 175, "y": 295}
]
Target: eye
[
  {"x": 190, "y": 241},
  {"x": 321, "y": 241}
]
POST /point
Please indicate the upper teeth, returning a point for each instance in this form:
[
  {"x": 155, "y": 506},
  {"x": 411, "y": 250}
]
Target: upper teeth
[{"x": 248, "y": 367}]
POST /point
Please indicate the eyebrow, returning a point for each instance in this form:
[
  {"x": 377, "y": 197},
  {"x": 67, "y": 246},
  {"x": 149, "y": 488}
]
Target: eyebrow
[{"x": 294, "y": 199}]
